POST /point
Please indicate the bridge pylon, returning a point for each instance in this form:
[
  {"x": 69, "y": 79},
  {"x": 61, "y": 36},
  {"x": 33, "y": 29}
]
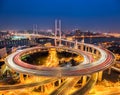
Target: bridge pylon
[
  {"x": 57, "y": 31},
  {"x": 35, "y": 31}
]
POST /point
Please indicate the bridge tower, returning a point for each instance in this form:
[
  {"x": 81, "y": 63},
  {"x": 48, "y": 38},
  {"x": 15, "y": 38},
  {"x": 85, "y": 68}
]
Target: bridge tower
[
  {"x": 57, "y": 31},
  {"x": 35, "y": 29}
]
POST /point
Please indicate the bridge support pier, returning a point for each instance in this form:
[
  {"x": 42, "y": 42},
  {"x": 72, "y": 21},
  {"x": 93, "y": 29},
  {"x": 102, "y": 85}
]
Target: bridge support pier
[
  {"x": 55, "y": 42},
  {"x": 86, "y": 48},
  {"x": 97, "y": 53},
  {"x": 84, "y": 80},
  {"x": 60, "y": 42},
  {"x": 42, "y": 88},
  {"x": 92, "y": 50},
  {"x": 75, "y": 45},
  {"x": 21, "y": 77},
  {"x": 100, "y": 75},
  {"x": 82, "y": 47},
  {"x": 59, "y": 82},
  {"x": 109, "y": 71}
]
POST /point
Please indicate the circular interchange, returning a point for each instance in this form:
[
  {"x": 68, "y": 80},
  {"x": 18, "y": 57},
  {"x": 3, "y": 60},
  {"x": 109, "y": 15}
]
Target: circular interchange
[{"x": 106, "y": 60}]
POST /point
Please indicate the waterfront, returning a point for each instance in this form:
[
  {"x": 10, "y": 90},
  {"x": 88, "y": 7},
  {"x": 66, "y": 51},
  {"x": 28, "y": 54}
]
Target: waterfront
[{"x": 100, "y": 40}]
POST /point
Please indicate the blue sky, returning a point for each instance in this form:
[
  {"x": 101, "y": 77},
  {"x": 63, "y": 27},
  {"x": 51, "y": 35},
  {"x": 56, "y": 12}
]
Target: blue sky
[{"x": 96, "y": 15}]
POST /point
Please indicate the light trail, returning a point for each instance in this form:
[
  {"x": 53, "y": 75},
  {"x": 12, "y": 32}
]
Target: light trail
[{"x": 106, "y": 60}]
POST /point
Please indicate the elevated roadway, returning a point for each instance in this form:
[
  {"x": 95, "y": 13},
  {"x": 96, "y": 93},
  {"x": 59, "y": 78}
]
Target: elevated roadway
[
  {"x": 86, "y": 68},
  {"x": 20, "y": 86},
  {"x": 86, "y": 88},
  {"x": 66, "y": 86},
  {"x": 14, "y": 61},
  {"x": 20, "y": 66}
]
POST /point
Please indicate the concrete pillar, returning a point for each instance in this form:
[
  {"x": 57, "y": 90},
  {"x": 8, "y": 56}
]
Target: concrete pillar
[
  {"x": 60, "y": 42},
  {"x": 100, "y": 75},
  {"x": 82, "y": 47},
  {"x": 109, "y": 71},
  {"x": 21, "y": 77},
  {"x": 97, "y": 52},
  {"x": 75, "y": 45},
  {"x": 84, "y": 80},
  {"x": 88, "y": 49},
  {"x": 42, "y": 88},
  {"x": 92, "y": 50},
  {"x": 59, "y": 82}
]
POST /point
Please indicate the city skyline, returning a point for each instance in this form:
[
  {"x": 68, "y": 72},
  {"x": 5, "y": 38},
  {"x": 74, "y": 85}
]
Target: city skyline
[
  {"x": 59, "y": 47},
  {"x": 92, "y": 15}
]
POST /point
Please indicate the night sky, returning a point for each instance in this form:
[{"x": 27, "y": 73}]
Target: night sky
[{"x": 94, "y": 15}]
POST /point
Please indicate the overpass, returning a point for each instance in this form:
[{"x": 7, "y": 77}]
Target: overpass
[{"x": 104, "y": 60}]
